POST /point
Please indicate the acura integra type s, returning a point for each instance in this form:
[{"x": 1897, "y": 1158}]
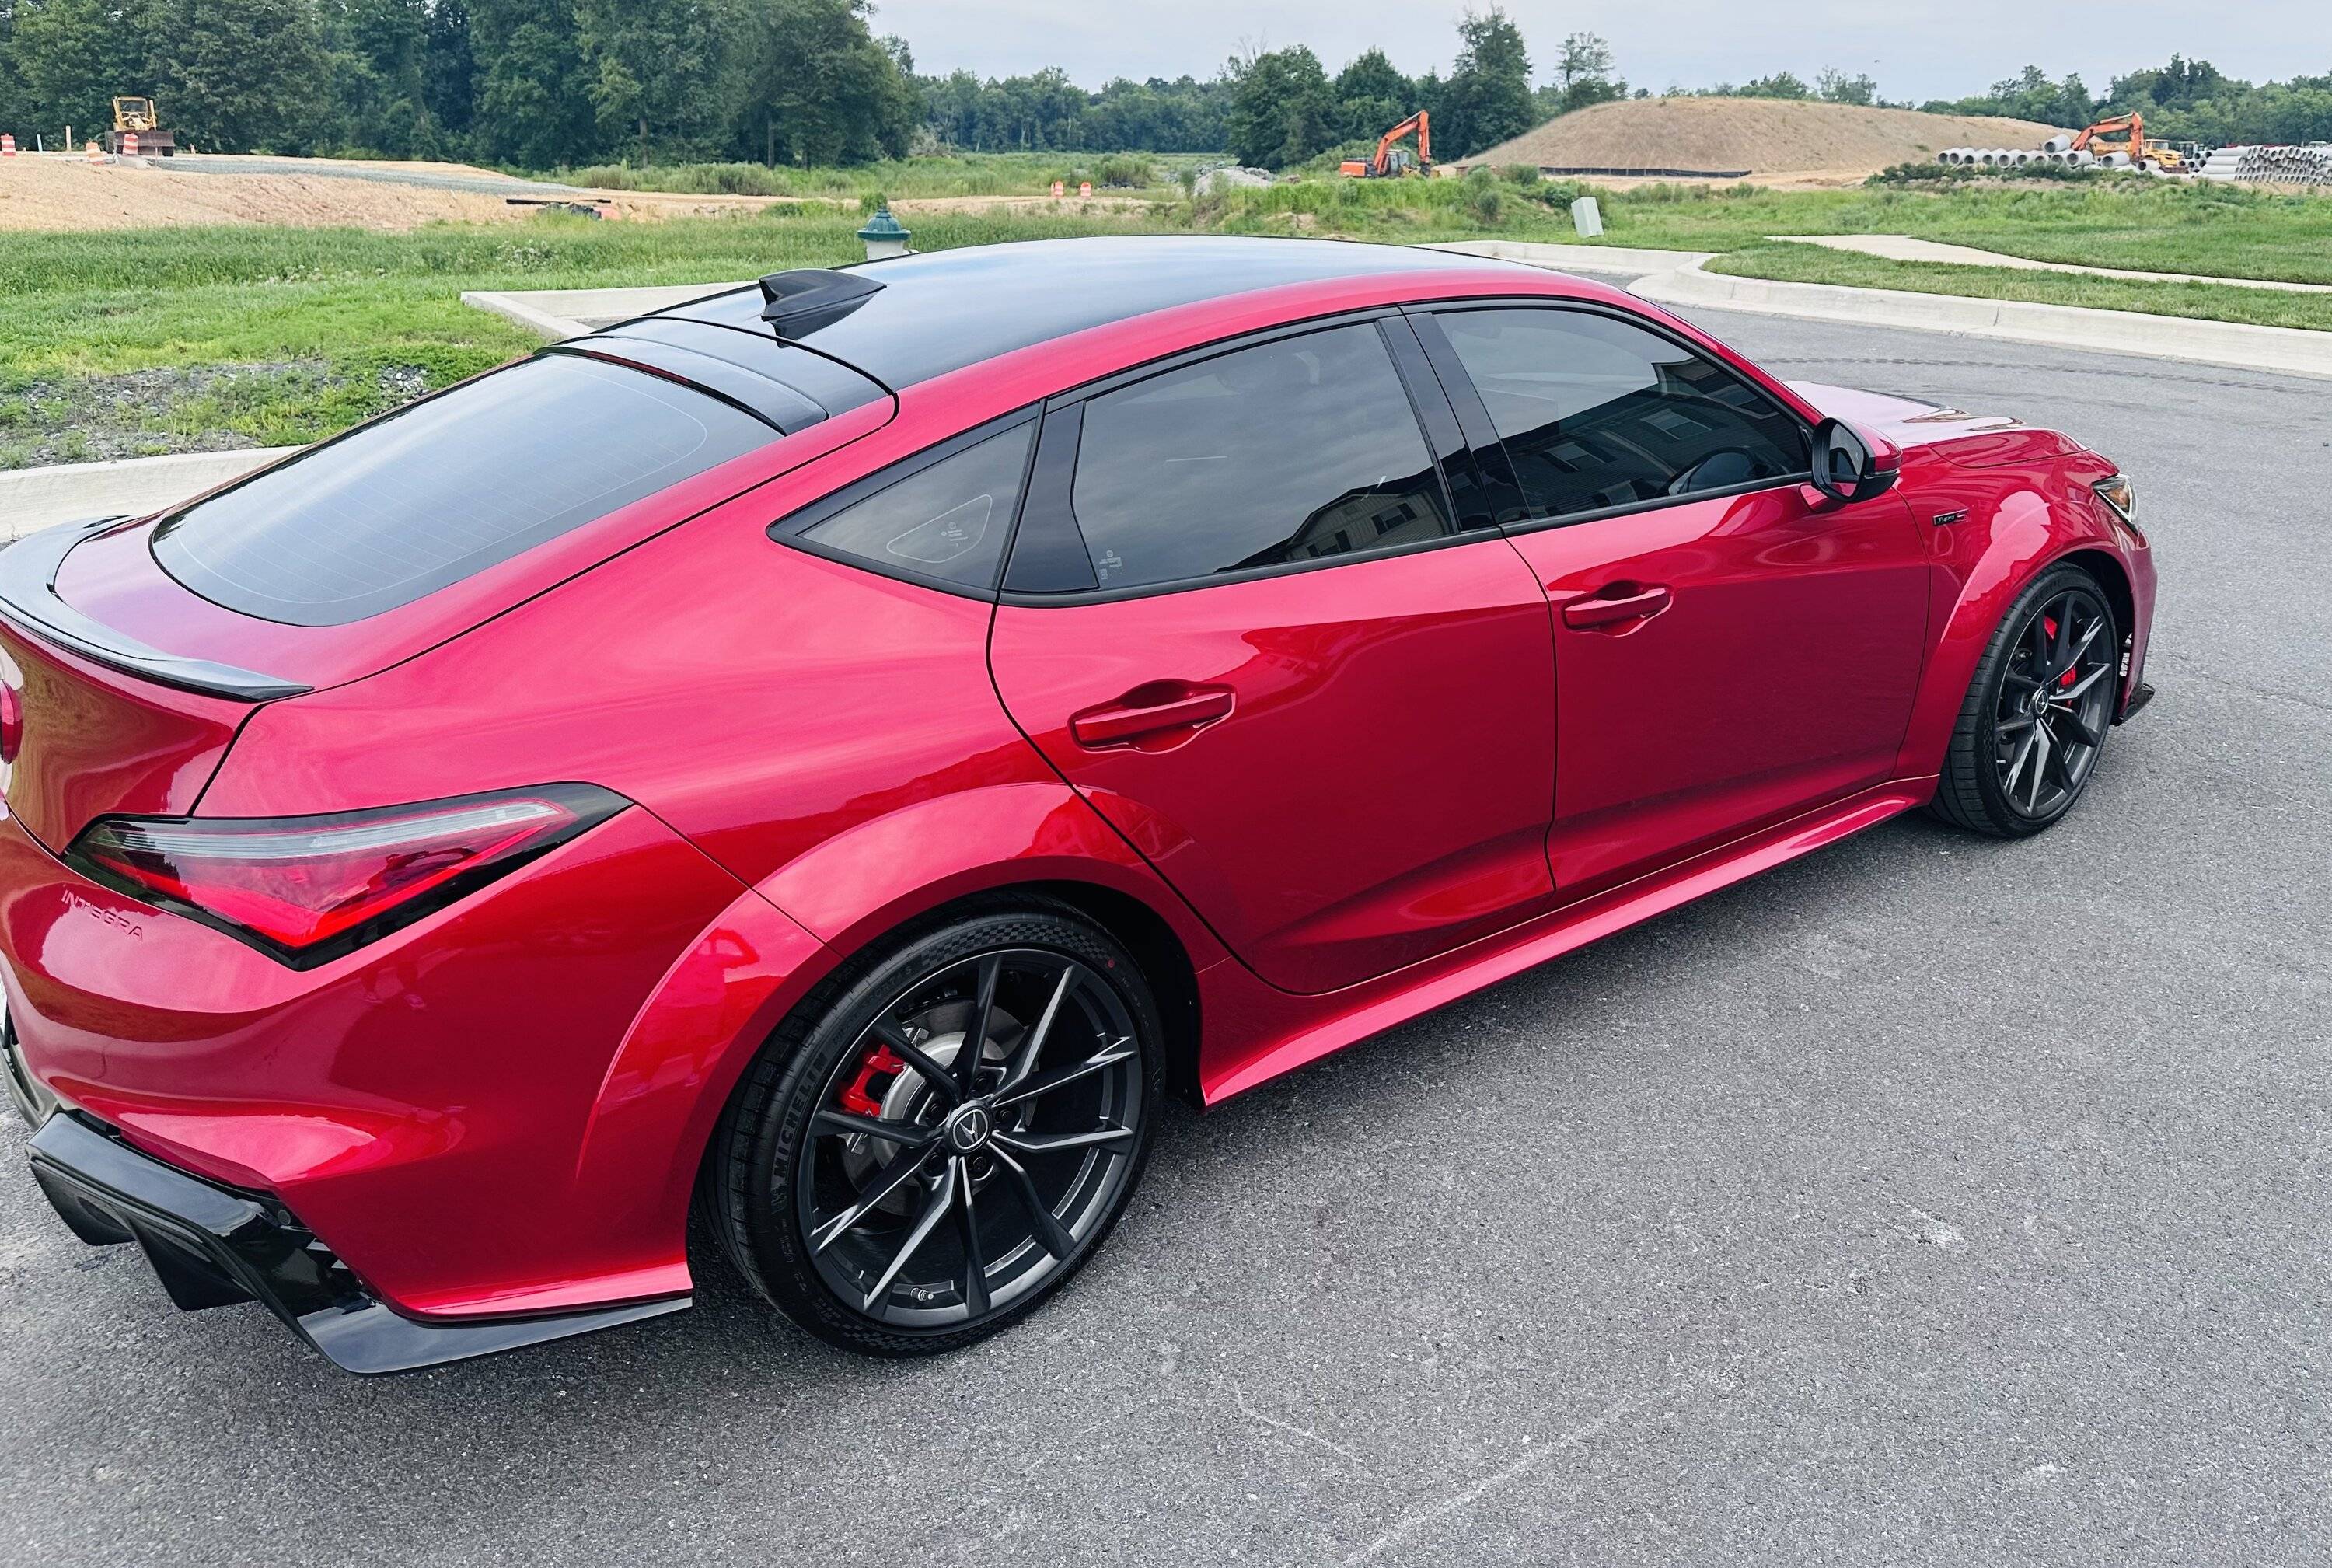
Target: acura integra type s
[{"x": 834, "y": 756}]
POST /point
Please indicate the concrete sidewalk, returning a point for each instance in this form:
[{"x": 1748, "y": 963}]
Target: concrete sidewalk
[{"x": 35, "y": 498}]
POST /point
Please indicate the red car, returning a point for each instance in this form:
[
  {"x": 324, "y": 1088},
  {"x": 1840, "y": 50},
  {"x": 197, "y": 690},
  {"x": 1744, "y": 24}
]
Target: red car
[{"x": 835, "y": 755}]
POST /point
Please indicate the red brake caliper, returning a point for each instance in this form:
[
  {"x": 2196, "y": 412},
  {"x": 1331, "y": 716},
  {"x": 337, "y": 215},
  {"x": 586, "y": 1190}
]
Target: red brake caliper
[
  {"x": 2049, "y": 624},
  {"x": 877, "y": 1063}
]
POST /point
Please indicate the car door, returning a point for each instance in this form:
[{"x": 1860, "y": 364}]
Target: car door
[
  {"x": 1731, "y": 648},
  {"x": 1241, "y": 618}
]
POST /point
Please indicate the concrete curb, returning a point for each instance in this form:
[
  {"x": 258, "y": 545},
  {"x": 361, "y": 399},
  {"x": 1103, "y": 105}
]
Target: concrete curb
[
  {"x": 35, "y": 498},
  {"x": 2290, "y": 351}
]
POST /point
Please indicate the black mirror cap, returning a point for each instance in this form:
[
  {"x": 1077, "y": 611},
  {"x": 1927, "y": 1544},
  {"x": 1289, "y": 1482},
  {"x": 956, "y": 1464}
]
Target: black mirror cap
[
  {"x": 797, "y": 304},
  {"x": 1844, "y": 468}
]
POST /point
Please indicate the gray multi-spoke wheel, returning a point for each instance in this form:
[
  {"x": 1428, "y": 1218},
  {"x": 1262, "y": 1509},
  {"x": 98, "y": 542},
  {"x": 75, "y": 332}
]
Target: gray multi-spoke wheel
[
  {"x": 2038, "y": 712},
  {"x": 932, "y": 1148}
]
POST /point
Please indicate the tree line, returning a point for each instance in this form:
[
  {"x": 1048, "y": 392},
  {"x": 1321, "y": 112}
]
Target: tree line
[{"x": 551, "y": 83}]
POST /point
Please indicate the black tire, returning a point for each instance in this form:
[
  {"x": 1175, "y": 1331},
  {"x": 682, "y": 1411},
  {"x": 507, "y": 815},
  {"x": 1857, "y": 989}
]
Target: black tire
[
  {"x": 788, "y": 1184},
  {"x": 2037, "y": 712}
]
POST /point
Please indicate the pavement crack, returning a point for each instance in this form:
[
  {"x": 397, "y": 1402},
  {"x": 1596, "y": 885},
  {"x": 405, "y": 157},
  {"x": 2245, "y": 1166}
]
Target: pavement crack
[
  {"x": 1458, "y": 1501},
  {"x": 1239, "y": 1398}
]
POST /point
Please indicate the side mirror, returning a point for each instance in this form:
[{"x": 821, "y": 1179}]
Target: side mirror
[{"x": 1848, "y": 466}]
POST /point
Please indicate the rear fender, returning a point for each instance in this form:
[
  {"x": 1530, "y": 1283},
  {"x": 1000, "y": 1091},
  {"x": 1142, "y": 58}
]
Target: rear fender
[{"x": 686, "y": 1050}]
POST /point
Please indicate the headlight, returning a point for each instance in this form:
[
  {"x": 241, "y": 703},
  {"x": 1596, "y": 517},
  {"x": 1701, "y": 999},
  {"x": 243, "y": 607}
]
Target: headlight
[{"x": 2121, "y": 496}]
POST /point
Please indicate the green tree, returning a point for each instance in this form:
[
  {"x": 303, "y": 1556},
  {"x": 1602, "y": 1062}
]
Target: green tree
[
  {"x": 1584, "y": 74},
  {"x": 244, "y": 75},
  {"x": 1837, "y": 87},
  {"x": 531, "y": 108},
  {"x": 70, "y": 58},
  {"x": 377, "y": 48},
  {"x": 1488, "y": 98},
  {"x": 820, "y": 89},
  {"x": 1780, "y": 84},
  {"x": 1373, "y": 96},
  {"x": 663, "y": 72},
  {"x": 449, "y": 71},
  {"x": 1282, "y": 111}
]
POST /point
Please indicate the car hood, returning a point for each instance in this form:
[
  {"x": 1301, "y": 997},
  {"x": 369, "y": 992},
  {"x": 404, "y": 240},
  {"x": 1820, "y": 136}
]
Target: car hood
[{"x": 1967, "y": 440}]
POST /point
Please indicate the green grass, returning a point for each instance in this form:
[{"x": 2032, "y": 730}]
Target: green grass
[
  {"x": 294, "y": 333},
  {"x": 2217, "y": 230},
  {"x": 113, "y": 344},
  {"x": 2208, "y": 301}
]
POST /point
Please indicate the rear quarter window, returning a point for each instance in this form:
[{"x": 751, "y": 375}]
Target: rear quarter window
[{"x": 442, "y": 491}]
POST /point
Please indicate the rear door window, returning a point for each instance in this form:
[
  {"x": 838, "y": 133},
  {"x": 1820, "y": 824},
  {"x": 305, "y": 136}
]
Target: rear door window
[
  {"x": 1597, "y": 413},
  {"x": 1293, "y": 450},
  {"x": 447, "y": 488}
]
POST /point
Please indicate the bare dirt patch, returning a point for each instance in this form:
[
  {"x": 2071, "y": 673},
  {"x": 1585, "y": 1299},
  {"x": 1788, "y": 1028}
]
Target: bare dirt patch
[
  {"x": 58, "y": 193},
  {"x": 1778, "y": 140}
]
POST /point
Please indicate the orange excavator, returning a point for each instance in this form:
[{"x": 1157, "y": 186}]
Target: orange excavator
[
  {"x": 1391, "y": 160},
  {"x": 2140, "y": 150}
]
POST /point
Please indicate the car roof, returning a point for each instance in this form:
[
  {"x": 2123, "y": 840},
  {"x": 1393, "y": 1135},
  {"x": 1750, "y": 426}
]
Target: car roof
[{"x": 943, "y": 310}]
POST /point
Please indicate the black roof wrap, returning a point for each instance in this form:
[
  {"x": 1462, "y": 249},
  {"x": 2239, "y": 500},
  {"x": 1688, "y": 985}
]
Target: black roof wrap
[{"x": 942, "y": 311}]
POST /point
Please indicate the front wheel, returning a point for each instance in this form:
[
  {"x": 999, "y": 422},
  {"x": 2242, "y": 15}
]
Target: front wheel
[
  {"x": 2037, "y": 712},
  {"x": 936, "y": 1146}
]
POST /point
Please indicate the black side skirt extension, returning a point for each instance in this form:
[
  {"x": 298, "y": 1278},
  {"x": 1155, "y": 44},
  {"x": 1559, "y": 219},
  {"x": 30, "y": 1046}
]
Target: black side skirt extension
[
  {"x": 2137, "y": 700},
  {"x": 213, "y": 1246}
]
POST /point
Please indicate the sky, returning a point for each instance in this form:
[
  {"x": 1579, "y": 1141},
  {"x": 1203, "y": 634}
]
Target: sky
[{"x": 1915, "y": 49}]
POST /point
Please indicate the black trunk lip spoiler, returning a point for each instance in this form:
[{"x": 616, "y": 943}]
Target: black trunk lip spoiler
[{"x": 29, "y": 600}]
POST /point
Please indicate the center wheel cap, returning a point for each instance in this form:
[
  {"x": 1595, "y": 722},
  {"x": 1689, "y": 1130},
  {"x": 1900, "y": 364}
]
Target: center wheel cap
[{"x": 967, "y": 1128}]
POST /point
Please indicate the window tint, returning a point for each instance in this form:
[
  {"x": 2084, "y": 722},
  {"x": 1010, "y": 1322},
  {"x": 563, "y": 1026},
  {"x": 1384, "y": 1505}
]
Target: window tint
[
  {"x": 1286, "y": 452},
  {"x": 948, "y": 520},
  {"x": 1597, "y": 412},
  {"x": 447, "y": 489}
]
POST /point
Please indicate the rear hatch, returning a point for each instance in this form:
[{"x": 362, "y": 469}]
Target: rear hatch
[{"x": 134, "y": 648}]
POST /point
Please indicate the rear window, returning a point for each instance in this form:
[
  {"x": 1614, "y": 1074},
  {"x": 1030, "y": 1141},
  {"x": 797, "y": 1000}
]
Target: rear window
[{"x": 447, "y": 488}]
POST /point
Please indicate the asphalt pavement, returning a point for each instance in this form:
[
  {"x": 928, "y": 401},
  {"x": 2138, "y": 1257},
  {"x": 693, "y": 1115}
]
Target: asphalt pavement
[{"x": 1927, "y": 1201}]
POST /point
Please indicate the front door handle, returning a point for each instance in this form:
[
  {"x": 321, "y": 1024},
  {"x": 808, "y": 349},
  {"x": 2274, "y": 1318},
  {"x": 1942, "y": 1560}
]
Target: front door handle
[
  {"x": 1147, "y": 709},
  {"x": 1616, "y": 602}
]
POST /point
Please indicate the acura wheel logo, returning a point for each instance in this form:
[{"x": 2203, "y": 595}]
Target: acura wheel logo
[{"x": 968, "y": 1130}]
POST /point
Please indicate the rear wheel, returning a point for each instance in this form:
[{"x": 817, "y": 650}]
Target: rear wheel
[
  {"x": 2037, "y": 712},
  {"x": 945, "y": 1134}
]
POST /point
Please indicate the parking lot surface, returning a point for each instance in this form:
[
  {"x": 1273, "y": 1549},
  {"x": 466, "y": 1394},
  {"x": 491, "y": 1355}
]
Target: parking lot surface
[{"x": 1929, "y": 1200}]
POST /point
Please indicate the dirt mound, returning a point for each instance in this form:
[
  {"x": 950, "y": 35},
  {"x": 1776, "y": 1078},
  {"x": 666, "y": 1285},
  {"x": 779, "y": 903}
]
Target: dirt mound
[
  {"x": 1772, "y": 139},
  {"x": 67, "y": 193}
]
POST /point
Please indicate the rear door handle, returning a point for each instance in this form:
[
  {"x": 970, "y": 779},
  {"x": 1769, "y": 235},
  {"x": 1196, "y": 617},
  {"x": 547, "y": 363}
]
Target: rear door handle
[
  {"x": 1145, "y": 710},
  {"x": 1616, "y": 602}
]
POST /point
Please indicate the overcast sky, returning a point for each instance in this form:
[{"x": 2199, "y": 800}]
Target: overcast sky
[{"x": 1917, "y": 49}]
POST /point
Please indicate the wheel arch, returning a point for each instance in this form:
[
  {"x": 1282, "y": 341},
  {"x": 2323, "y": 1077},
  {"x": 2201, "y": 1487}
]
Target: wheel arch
[{"x": 2113, "y": 577}]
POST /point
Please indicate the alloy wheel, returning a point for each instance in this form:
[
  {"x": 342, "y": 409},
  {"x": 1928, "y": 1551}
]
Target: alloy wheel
[
  {"x": 2054, "y": 702},
  {"x": 973, "y": 1140}
]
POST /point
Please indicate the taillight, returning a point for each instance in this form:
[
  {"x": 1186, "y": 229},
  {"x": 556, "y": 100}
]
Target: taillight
[
  {"x": 306, "y": 889},
  {"x": 11, "y": 722}
]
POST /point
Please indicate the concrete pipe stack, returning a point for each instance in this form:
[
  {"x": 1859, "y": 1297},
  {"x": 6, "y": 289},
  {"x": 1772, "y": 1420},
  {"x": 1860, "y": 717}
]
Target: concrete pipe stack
[{"x": 2286, "y": 165}]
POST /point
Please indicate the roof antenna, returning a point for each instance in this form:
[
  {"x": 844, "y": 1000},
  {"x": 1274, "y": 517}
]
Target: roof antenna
[{"x": 797, "y": 304}]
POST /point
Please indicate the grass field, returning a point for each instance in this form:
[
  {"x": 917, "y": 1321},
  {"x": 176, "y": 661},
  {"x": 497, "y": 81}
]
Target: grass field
[
  {"x": 2218, "y": 231},
  {"x": 120, "y": 344},
  {"x": 207, "y": 339}
]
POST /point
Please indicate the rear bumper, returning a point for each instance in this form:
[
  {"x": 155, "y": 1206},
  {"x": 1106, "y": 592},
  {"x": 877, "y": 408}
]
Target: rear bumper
[{"x": 213, "y": 1246}]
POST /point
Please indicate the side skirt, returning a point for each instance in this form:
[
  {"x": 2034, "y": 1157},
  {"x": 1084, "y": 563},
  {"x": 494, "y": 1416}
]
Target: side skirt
[{"x": 1378, "y": 1005}]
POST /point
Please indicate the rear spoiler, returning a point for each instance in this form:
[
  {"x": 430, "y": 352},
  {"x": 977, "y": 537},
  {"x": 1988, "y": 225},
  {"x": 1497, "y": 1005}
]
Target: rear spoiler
[{"x": 29, "y": 601}]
